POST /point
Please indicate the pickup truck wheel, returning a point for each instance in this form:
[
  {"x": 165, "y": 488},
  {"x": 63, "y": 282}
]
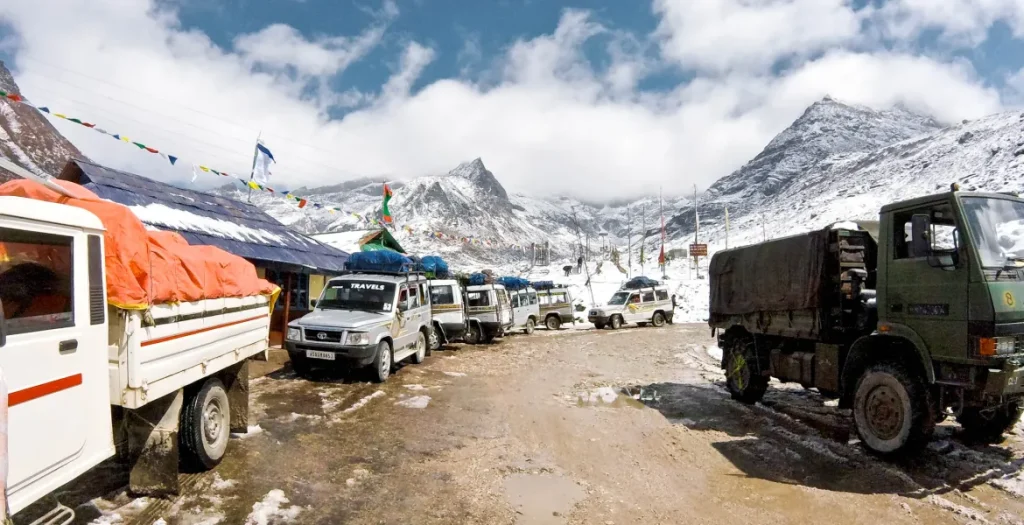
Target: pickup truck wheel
[
  {"x": 205, "y": 425},
  {"x": 658, "y": 319},
  {"x": 381, "y": 367},
  {"x": 421, "y": 349},
  {"x": 553, "y": 322},
  {"x": 988, "y": 426},
  {"x": 742, "y": 378},
  {"x": 616, "y": 322},
  {"x": 530, "y": 325},
  {"x": 435, "y": 340},
  {"x": 891, "y": 409}
]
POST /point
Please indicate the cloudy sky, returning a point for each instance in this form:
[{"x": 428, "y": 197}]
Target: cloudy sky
[{"x": 599, "y": 99}]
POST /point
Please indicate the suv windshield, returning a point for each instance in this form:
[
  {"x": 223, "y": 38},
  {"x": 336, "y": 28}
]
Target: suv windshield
[
  {"x": 997, "y": 228},
  {"x": 618, "y": 299},
  {"x": 358, "y": 295}
]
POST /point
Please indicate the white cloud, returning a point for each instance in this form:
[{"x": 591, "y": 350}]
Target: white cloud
[
  {"x": 961, "y": 22},
  {"x": 550, "y": 121}
]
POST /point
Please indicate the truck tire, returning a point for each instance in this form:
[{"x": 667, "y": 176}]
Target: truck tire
[
  {"x": 205, "y": 426},
  {"x": 301, "y": 365},
  {"x": 531, "y": 324},
  {"x": 421, "y": 349},
  {"x": 989, "y": 426},
  {"x": 553, "y": 322},
  {"x": 473, "y": 334},
  {"x": 435, "y": 340},
  {"x": 891, "y": 410},
  {"x": 742, "y": 377},
  {"x": 380, "y": 370},
  {"x": 658, "y": 319},
  {"x": 615, "y": 322}
]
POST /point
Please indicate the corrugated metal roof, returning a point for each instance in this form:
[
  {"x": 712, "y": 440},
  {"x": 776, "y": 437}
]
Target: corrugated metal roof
[{"x": 237, "y": 227}]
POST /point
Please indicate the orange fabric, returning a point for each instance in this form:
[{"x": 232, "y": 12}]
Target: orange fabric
[{"x": 145, "y": 267}]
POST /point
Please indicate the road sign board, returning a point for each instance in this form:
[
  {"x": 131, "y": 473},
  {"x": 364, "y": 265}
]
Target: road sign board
[{"x": 699, "y": 250}]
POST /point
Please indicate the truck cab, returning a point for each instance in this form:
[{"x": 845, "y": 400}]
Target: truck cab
[
  {"x": 364, "y": 318},
  {"x": 489, "y": 305},
  {"x": 555, "y": 304},
  {"x": 929, "y": 325},
  {"x": 640, "y": 305}
]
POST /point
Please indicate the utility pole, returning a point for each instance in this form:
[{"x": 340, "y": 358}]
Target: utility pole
[
  {"x": 643, "y": 238},
  {"x": 726, "y": 227},
  {"x": 696, "y": 229},
  {"x": 585, "y": 265},
  {"x": 629, "y": 244}
]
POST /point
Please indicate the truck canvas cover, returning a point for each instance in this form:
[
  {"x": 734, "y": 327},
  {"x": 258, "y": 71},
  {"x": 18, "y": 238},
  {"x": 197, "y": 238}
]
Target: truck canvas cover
[{"x": 782, "y": 274}]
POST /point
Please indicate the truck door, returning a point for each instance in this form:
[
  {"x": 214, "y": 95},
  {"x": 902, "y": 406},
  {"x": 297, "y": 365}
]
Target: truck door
[
  {"x": 54, "y": 355},
  {"x": 929, "y": 299},
  {"x": 504, "y": 308}
]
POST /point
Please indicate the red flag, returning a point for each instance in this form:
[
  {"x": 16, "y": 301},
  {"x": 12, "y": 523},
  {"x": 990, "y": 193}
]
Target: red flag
[
  {"x": 661, "y": 256},
  {"x": 302, "y": 203}
]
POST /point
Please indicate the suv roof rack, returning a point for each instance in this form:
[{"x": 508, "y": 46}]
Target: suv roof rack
[{"x": 379, "y": 272}]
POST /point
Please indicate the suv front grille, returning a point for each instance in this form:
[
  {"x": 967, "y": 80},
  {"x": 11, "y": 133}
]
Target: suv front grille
[{"x": 323, "y": 336}]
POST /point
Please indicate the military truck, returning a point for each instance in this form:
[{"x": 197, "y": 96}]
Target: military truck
[{"x": 906, "y": 321}]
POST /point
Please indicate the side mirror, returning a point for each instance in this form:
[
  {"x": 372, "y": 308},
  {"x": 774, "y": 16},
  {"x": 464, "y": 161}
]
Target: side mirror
[
  {"x": 3, "y": 326},
  {"x": 920, "y": 235}
]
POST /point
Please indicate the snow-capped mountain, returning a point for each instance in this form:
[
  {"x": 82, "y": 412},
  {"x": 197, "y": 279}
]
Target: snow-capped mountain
[{"x": 27, "y": 138}]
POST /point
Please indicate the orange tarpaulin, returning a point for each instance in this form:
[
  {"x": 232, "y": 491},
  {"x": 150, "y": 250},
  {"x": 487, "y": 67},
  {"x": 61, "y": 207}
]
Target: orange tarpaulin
[{"x": 152, "y": 267}]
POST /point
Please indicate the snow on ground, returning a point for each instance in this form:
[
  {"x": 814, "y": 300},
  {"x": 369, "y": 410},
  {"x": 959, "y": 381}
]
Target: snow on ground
[
  {"x": 362, "y": 402},
  {"x": 415, "y": 402},
  {"x": 251, "y": 431},
  {"x": 270, "y": 510}
]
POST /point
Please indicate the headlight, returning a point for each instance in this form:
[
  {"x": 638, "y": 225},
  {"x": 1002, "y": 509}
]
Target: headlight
[
  {"x": 294, "y": 334},
  {"x": 990, "y": 346},
  {"x": 357, "y": 338}
]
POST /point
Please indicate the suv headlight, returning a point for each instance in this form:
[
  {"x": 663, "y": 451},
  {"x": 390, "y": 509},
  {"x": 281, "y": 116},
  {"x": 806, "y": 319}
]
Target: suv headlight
[
  {"x": 294, "y": 334},
  {"x": 357, "y": 338},
  {"x": 991, "y": 346}
]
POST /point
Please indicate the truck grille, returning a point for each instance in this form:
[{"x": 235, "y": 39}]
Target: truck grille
[{"x": 323, "y": 336}]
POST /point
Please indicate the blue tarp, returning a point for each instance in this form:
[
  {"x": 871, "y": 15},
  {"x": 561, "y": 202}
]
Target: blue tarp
[
  {"x": 513, "y": 283},
  {"x": 477, "y": 279},
  {"x": 380, "y": 261},
  {"x": 640, "y": 282},
  {"x": 236, "y": 227},
  {"x": 434, "y": 266},
  {"x": 544, "y": 285}
]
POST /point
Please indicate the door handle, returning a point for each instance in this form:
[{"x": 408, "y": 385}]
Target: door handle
[{"x": 69, "y": 346}]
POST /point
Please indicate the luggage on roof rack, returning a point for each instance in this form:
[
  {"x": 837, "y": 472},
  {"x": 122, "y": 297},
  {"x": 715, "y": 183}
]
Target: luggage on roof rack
[
  {"x": 640, "y": 282},
  {"x": 379, "y": 261},
  {"x": 546, "y": 285},
  {"x": 434, "y": 266},
  {"x": 513, "y": 283},
  {"x": 477, "y": 279}
]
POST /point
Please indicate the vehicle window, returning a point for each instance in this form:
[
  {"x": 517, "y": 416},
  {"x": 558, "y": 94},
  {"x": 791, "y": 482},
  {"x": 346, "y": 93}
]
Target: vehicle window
[
  {"x": 942, "y": 235},
  {"x": 533, "y": 298},
  {"x": 515, "y": 301},
  {"x": 544, "y": 299},
  {"x": 618, "y": 299},
  {"x": 662, "y": 295},
  {"x": 442, "y": 295},
  {"x": 36, "y": 280},
  {"x": 479, "y": 299},
  {"x": 358, "y": 295},
  {"x": 423, "y": 294},
  {"x": 559, "y": 298},
  {"x": 634, "y": 298},
  {"x": 414, "y": 296},
  {"x": 997, "y": 230},
  {"x": 648, "y": 297}
]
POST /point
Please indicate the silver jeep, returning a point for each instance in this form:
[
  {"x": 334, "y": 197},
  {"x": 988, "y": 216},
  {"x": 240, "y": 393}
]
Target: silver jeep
[{"x": 364, "y": 319}]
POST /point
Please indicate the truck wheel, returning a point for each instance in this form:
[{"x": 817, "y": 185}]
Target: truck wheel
[
  {"x": 530, "y": 326},
  {"x": 616, "y": 322},
  {"x": 988, "y": 426},
  {"x": 742, "y": 378},
  {"x": 205, "y": 425},
  {"x": 435, "y": 340},
  {"x": 473, "y": 335},
  {"x": 301, "y": 365},
  {"x": 599, "y": 326},
  {"x": 891, "y": 409},
  {"x": 553, "y": 322},
  {"x": 382, "y": 363},
  {"x": 421, "y": 349},
  {"x": 658, "y": 319}
]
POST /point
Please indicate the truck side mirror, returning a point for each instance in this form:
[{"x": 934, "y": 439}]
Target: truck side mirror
[
  {"x": 920, "y": 235},
  {"x": 3, "y": 326}
]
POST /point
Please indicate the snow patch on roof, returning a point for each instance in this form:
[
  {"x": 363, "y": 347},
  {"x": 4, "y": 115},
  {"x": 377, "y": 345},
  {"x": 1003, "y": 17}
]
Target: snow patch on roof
[{"x": 161, "y": 215}]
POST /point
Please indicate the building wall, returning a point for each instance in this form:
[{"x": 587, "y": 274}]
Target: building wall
[{"x": 316, "y": 285}]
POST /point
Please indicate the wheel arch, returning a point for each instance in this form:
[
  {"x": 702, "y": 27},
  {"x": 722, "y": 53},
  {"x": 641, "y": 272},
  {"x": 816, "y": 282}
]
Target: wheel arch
[
  {"x": 439, "y": 329},
  {"x": 875, "y": 348}
]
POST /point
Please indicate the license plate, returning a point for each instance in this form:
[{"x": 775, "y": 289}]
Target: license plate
[{"x": 320, "y": 355}]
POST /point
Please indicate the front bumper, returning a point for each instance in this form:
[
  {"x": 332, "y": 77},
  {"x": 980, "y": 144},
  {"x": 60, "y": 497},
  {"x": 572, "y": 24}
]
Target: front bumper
[
  {"x": 1006, "y": 381},
  {"x": 598, "y": 318},
  {"x": 356, "y": 355}
]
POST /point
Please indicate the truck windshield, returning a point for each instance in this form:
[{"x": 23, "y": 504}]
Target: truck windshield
[
  {"x": 619, "y": 299},
  {"x": 358, "y": 295},
  {"x": 997, "y": 228}
]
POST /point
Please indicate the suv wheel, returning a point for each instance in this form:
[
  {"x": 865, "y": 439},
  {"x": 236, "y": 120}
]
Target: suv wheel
[
  {"x": 421, "y": 349},
  {"x": 553, "y": 322},
  {"x": 301, "y": 365},
  {"x": 473, "y": 334},
  {"x": 530, "y": 325},
  {"x": 381, "y": 367},
  {"x": 616, "y": 322},
  {"x": 659, "y": 319},
  {"x": 435, "y": 340}
]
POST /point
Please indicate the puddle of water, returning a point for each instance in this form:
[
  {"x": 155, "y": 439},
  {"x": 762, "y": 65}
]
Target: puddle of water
[
  {"x": 608, "y": 397},
  {"x": 542, "y": 499}
]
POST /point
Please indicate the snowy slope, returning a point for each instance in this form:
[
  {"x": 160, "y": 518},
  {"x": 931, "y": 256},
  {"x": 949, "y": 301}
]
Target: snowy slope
[{"x": 27, "y": 138}]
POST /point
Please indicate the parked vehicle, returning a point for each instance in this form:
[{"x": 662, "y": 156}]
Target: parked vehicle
[
  {"x": 489, "y": 305},
  {"x": 375, "y": 315},
  {"x": 916, "y": 321},
  {"x": 175, "y": 373},
  {"x": 555, "y": 303},
  {"x": 524, "y": 301},
  {"x": 642, "y": 303},
  {"x": 448, "y": 310}
]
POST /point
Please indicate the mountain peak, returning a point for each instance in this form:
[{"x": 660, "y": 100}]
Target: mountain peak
[
  {"x": 481, "y": 177},
  {"x": 7, "y": 82}
]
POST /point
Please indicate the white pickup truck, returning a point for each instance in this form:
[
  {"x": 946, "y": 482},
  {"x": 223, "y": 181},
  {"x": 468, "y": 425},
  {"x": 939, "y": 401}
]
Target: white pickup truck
[{"x": 83, "y": 377}]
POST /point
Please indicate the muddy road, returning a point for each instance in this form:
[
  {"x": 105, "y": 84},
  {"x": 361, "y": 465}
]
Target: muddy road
[{"x": 571, "y": 427}]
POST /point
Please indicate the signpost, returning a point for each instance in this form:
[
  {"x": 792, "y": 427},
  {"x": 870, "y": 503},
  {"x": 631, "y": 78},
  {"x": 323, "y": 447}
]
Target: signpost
[{"x": 699, "y": 250}]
